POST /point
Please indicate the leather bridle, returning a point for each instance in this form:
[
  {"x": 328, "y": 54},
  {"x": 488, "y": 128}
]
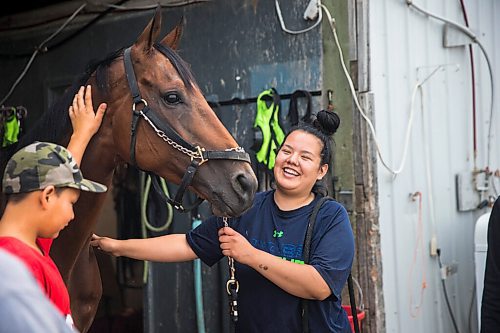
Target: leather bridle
[{"x": 197, "y": 154}]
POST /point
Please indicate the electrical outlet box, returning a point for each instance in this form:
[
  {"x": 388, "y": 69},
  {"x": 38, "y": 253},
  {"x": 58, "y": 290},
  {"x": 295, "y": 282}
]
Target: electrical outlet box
[
  {"x": 452, "y": 268},
  {"x": 452, "y": 37},
  {"x": 433, "y": 246},
  {"x": 448, "y": 270},
  {"x": 467, "y": 195},
  {"x": 345, "y": 197}
]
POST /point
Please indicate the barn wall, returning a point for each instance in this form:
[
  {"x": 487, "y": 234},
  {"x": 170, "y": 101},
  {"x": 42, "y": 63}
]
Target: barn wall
[{"x": 407, "y": 48}]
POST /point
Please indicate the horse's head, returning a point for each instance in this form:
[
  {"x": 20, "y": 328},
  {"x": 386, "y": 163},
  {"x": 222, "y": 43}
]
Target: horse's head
[{"x": 175, "y": 124}]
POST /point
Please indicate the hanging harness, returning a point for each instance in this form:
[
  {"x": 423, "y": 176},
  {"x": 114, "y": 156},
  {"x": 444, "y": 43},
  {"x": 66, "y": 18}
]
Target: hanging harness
[
  {"x": 268, "y": 132},
  {"x": 307, "y": 254},
  {"x": 293, "y": 111},
  {"x": 11, "y": 124},
  {"x": 198, "y": 155}
]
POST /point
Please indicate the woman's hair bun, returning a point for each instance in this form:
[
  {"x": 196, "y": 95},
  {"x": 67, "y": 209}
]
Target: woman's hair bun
[{"x": 327, "y": 122}]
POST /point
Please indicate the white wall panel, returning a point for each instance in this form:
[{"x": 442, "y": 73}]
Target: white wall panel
[{"x": 406, "y": 47}]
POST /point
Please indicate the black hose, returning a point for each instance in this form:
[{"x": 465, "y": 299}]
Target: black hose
[
  {"x": 446, "y": 294},
  {"x": 354, "y": 310}
]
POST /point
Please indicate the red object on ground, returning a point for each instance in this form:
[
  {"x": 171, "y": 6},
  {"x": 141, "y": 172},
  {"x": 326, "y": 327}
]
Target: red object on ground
[{"x": 361, "y": 316}]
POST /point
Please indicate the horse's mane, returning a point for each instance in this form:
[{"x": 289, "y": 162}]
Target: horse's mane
[
  {"x": 181, "y": 67},
  {"x": 55, "y": 125}
]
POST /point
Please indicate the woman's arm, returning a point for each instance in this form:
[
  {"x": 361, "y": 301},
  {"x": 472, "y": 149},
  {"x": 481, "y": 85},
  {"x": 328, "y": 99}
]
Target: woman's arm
[
  {"x": 168, "y": 248},
  {"x": 84, "y": 121},
  {"x": 297, "y": 279}
]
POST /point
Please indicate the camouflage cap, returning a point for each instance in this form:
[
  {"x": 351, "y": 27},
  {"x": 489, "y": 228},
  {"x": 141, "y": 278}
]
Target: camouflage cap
[{"x": 41, "y": 164}]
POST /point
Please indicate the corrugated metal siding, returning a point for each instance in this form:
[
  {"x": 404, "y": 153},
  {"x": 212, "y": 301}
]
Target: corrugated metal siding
[{"x": 407, "y": 46}]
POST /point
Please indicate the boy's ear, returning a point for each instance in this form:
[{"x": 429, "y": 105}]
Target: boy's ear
[{"x": 46, "y": 195}]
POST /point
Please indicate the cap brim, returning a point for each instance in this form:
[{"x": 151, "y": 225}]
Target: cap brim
[{"x": 88, "y": 186}]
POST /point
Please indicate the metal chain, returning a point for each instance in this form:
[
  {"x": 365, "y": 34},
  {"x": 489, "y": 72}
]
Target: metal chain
[
  {"x": 162, "y": 135},
  {"x": 232, "y": 285},
  {"x": 238, "y": 149},
  {"x": 193, "y": 154}
]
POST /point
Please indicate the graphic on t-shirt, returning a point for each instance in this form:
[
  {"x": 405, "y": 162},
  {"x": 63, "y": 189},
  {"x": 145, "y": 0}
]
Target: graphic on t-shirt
[
  {"x": 290, "y": 252},
  {"x": 277, "y": 234}
]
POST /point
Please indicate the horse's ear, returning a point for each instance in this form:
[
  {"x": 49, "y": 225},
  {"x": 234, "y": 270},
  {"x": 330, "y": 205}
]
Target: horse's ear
[
  {"x": 173, "y": 37},
  {"x": 151, "y": 32}
]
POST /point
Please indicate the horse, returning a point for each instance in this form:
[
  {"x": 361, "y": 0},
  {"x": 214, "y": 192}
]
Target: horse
[{"x": 158, "y": 120}]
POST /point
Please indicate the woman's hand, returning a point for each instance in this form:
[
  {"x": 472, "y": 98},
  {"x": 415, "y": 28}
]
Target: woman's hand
[
  {"x": 234, "y": 245},
  {"x": 166, "y": 248},
  {"x": 106, "y": 244}
]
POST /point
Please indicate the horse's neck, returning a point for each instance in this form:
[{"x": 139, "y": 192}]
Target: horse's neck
[
  {"x": 99, "y": 161},
  {"x": 73, "y": 240}
]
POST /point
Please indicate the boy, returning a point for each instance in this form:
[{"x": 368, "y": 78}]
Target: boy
[{"x": 42, "y": 182}]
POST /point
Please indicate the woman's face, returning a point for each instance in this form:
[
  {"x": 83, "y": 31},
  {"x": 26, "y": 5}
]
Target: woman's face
[{"x": 298, "y": 163}]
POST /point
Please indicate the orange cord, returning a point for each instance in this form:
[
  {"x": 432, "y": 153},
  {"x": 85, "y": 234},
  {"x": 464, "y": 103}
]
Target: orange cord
[{"x": 419, "y": 244}]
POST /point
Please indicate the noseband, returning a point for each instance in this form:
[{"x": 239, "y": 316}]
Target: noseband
[{"x": 197, "y": 154}]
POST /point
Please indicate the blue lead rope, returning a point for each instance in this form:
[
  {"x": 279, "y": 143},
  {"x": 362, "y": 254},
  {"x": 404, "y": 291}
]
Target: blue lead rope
[{"x": 198, "y": 288}]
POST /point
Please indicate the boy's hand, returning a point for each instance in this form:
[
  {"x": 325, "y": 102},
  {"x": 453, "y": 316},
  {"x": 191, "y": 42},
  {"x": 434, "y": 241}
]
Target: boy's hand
[
  {"x": 83, "y": 119},
  {"x": 85, "y": 122}
]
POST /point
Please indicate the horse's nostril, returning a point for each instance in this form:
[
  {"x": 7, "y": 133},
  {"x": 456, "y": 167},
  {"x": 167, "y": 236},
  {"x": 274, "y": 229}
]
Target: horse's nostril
[{"x": 246, "y": 183}]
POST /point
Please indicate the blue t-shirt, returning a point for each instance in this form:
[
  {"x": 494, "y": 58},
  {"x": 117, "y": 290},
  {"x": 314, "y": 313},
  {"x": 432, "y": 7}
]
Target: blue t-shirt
[{"x": 263, "y": 306}]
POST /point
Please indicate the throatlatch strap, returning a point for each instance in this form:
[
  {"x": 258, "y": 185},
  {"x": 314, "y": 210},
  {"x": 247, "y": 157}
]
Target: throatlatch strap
[
  {"x": 133, "y": 136},
  {"x": 129, "y": 72},
  {"x": 136, "y": 96}
]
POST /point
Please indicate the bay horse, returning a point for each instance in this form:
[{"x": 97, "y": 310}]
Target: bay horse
[{"x": 158, "y": 120}]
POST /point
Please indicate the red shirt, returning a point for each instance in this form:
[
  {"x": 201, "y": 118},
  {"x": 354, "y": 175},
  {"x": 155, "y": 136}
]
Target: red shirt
[{"x": 43, "y": 269}]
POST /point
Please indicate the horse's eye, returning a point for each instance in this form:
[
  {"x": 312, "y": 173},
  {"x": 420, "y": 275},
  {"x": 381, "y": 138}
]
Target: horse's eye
[{"x": 172, "y": 98}]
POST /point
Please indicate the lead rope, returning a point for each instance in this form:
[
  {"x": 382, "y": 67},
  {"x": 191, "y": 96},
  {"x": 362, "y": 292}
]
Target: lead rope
[{"x": 232, "y": 285}]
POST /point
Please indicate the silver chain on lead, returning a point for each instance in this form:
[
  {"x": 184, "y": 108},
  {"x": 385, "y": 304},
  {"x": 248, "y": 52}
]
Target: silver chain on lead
[
  {"x": 232, "y": 284},
  {"x": 232, "y": 278},
  {"x": 198, "y": 154}
]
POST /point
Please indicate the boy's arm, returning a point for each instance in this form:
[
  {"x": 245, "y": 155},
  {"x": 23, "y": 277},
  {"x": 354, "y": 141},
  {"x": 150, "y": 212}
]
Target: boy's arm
[
  {"x": 84, "y": 121},
  {"x": 168, "y": 248}
]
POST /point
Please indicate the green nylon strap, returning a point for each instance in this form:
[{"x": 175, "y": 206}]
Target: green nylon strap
[
  {"x": 11, "y": 130},
  {"x": 267, "y": 121}
]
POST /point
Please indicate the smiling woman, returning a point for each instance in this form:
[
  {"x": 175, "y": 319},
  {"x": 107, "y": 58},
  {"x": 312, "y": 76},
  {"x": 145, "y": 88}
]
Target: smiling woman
[
  {"x": 298, "y": 167},
  {"x": 266, "y": 242}
]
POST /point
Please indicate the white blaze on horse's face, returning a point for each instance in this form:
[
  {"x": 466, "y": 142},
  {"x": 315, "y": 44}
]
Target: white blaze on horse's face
[{"x": 167, "y": 86}]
